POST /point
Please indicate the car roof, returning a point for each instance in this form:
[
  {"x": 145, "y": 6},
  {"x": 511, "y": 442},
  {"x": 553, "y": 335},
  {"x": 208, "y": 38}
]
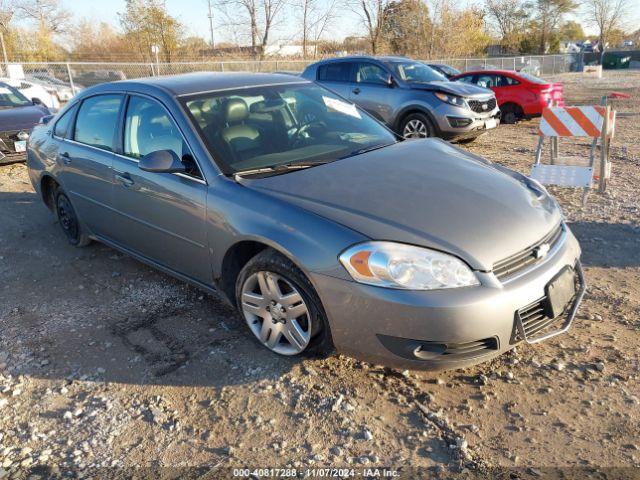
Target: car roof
[
  {"x": 382, "y": 58},
  {"x": 496, "y": 72},
  {"x": 200, "y": 82}
]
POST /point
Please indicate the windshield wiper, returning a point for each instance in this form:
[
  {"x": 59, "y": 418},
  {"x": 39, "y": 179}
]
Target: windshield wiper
[
  {"x": 367, "y": 149},
  {"x": 282, "y": 167}
]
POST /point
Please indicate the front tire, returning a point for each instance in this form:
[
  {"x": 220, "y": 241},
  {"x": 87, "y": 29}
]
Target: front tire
[
  {"x": 68, "y": 220},
  {"x": 416, "y": 125},
  {"x": 281, "y": 307}
]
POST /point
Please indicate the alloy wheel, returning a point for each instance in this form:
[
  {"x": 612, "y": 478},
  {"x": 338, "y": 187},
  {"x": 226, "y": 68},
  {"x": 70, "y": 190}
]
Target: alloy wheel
[
  {"x": 276, "y": 313},
  {"x": 415, "y": 129}
]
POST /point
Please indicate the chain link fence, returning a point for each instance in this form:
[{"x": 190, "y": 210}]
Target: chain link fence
[{"x": 85, "y": 74}]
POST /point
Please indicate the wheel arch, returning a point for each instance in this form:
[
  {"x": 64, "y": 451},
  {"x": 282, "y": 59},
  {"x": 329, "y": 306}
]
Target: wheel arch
[
  {"x": 48, "y": 186},
  {"x": 239, "y": 254},
  {"x": 411, "y": 109}
]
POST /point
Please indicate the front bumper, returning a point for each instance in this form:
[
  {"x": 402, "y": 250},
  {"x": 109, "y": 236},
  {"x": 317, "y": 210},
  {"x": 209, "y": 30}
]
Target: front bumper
[
  {"x": 408, "y": 329},
  {"x": 460, "y": 124}
]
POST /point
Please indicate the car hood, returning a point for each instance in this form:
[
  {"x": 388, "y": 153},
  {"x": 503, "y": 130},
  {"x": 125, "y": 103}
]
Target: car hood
[
  {"x": 20, "y": 118},
  {"x": 456, "y": 88},
  {"x": 428, "y": 193}
]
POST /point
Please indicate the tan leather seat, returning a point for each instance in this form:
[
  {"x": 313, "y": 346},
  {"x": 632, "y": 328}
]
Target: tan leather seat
[{"x": 240, "y": 137}]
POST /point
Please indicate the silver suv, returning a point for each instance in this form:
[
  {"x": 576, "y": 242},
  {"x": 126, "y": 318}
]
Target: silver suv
[{"x": 410, "y": 97}]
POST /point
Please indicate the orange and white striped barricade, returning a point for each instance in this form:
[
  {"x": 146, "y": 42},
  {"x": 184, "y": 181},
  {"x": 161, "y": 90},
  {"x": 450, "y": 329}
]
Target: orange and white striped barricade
[{"x": 596, "y": 122}]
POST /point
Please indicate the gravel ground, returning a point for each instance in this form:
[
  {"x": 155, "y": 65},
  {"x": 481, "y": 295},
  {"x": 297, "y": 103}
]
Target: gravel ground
[{"x": 107, "y": 365}]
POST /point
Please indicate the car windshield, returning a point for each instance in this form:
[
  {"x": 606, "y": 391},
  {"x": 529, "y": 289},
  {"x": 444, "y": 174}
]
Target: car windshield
[
  {"x": 10, "y": 97},
  {"x": 532, "y": 78},
  {"x": 291, "y": 125},
  {"x": 416, "y": 72}
]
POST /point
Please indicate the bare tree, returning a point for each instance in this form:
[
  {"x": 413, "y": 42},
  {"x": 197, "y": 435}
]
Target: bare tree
[
  {"x": 261, "y": 16},
  {"x": 372, "y": 14},
  {"x": 507, "y": 17},
  {"x": 315, "y": 17},
  {"x": 49, "y": 14},
  {"x": 606, "y": 16},
  {"x": 549, "y": 15}
]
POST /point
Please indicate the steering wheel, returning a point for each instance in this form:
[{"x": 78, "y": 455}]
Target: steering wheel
[{"x": 302, "y": 132}]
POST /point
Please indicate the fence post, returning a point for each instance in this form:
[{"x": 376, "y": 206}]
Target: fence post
[
  {"x": 73, "y": 87},
  {"x": 466, "y": 64},
  {"x": 222, "y": 66},
  {"x": 153, "y": 70}
]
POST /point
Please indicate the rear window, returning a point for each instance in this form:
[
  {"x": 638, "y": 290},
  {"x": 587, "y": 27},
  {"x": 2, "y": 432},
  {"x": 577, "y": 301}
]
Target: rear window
[
  {"x": 334, "y": 72},
  {"x": 532, "y": 78},
  {"x": 97, "y": 120}
]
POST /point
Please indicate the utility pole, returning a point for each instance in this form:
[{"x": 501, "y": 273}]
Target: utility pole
[{"x": 210, "y": 24}]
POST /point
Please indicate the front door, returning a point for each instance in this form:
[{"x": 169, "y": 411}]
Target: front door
[
  {"x": 85, "y": 155},
  {"x": 160, "y": 216},
  {"x": 372, "y": 92}
]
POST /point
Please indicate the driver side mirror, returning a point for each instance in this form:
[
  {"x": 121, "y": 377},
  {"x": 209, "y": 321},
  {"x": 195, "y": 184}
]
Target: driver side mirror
[
  {"x": 162, "y": 161},
  {"x": 36, "y": 101}
]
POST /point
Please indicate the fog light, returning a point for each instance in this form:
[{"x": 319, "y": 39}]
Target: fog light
[{"x": 459, "y": 122}]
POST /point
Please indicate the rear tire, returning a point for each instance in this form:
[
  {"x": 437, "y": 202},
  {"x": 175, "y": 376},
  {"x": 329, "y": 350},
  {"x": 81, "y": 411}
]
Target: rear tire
[
  {"x": 417, "y": 125},
  {"x": 511, "y": 113},
  {"x": 296, "y": 327},
  {"x": 69, "y": 221}
]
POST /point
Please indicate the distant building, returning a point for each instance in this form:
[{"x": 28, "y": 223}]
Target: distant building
[{"x": 289, "y": 50}]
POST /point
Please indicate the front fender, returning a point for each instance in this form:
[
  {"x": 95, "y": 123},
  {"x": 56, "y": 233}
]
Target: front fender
[{"x": 237, "y": 213}]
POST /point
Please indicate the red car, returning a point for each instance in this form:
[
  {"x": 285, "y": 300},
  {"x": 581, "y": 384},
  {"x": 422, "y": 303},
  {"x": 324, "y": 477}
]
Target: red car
[{"x": 520, "y": 95}]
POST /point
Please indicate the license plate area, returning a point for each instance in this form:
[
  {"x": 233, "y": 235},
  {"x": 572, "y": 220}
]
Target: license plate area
[
  {"x": 20, "y": 146},
  {"x": 490, "y": 123},
  {"x": 560, "y": 290}
]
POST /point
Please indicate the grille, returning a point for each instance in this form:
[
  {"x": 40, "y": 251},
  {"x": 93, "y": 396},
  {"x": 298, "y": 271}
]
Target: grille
[
  {"x": 534, "y": 319},
  {"x": 462, "y": 350},
  {"x": 477, "y": 105},
  {"x": 8, "y": 138},
  {"x": 521, "y": 260},
  {"x": 7, "y": 147}
]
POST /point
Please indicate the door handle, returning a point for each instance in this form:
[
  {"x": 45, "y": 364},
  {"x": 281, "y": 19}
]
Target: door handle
[
  {"x": 356, "y": 90},
  {"x": 65, "y": 158},
  {"x": 124, "y": 178}
]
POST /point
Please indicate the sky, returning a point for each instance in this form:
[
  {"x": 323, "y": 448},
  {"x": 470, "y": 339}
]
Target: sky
[{"x": 193, "y": 14}]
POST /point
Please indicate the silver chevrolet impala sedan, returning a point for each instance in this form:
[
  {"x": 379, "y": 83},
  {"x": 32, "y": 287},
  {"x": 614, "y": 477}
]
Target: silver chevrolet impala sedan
[{"x": 321, "y": 226}]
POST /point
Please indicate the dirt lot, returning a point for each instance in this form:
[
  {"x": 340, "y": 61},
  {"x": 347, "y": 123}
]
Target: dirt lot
[{"x": 106, "y": 364}]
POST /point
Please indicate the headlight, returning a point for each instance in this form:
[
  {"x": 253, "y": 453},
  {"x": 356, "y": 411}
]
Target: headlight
[
  {"x": 451, "y": 99},
  {"x": 396, "y": 265}
]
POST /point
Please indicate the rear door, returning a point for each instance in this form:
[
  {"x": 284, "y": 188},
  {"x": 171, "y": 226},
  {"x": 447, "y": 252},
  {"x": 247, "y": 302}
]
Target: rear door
[
  {"x": 337, "y": 76},
  {"x": 160, "y": 216},
  {"x": 85, "y": 155},
  {"x": 372, "y": 92}
]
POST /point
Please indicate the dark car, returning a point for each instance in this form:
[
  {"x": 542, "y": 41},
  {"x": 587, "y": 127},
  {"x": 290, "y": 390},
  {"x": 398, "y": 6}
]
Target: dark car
[
  {"x": 316, "y": 221},
  {"x": 446, "y": 70},
  {"x": 409, "y": 97},
  {"x": 18, "y": 115}
]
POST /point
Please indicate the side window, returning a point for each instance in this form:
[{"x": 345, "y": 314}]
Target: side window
[
  {"x": 486, "y": 81},
  {"x": 334, "y": 72},
  {"x": 96, "y": 121},
  {"x": 507, "y": 81},
  {"x": 149, "y": 128},
  {"x": 370, "y": 73},
  {"x": 62, "y": 128},
  {"x": 466, "y": 79}
]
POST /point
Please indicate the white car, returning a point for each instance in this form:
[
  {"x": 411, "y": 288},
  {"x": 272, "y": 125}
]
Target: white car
[{"x": 32, "y": 90}]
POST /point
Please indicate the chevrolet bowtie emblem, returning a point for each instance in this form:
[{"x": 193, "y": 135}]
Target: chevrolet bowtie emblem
[{"x": 541, "y": 251}]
